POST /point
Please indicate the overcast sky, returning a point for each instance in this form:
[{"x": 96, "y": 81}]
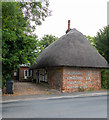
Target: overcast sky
[{"x": 87, "y": 16}]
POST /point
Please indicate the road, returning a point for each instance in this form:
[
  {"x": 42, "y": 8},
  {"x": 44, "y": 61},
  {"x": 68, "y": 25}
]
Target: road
[{"x": 80, "y": 107}]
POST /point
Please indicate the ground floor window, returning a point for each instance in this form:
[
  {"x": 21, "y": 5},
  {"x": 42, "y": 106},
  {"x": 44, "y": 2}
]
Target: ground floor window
[
  {"x": 41, "y": 75},
  {"x": 15, "y": 73},
  {"x": 26, "y": 74},
  {"x": 30, "y": 73}
]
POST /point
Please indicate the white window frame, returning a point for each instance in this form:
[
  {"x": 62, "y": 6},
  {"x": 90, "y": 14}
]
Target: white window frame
[
  {"x": 15, "y": 73},
  {"x": 25, "y": 76}
]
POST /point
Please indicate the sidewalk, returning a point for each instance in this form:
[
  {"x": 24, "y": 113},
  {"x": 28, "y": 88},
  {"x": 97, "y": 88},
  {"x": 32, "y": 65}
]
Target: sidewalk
[{"x": 58, "y": 96}]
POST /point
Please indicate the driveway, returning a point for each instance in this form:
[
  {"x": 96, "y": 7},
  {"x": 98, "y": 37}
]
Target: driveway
[{"x": 29, "y": 88}]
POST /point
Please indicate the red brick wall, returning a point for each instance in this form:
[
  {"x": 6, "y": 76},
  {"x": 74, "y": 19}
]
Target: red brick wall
[
  {"x": 22, "y": 72},
  {"x": 77, "y": 79},
  {"x": 70, "y": 79}
]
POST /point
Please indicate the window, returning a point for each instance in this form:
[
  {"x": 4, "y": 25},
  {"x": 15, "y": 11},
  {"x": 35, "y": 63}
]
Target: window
[
  {"x": 30, "y": 73},
  {"x": 26, "y": 74},
  {"x": 15, "y": 73}
]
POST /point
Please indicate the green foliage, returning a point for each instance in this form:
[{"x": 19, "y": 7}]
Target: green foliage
[
  {"x": 8, "y": 77},
  {"x": 19, "y": 44},
  {"x": 18, "y": 41},
  {"x": 46, "y": 41},
  {"x": 3, "y": 82},
  {"x": 90, "y": 89},
  {"x": 81, "y": 89},
  {"x": 35, "y": 12},
  {"x": 91, "y": 39},
  {"x": 101, "y": 42},
  {"x": 105, "y": 78}
]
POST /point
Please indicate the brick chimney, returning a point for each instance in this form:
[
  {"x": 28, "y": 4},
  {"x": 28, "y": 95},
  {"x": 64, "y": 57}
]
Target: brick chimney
[
  {"x": 68, "y": 27},
  {"x": 68, "y": 24}
]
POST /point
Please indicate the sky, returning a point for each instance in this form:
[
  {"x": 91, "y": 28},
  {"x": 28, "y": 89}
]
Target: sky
[{"x": 87, "y": 16}]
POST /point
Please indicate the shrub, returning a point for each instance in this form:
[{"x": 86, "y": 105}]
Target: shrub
[
  {"x": 81, "y": 89},
  {"x": 105, "y": 78},
  {"x": 3, "y": 82},
  {"x": 4, "y": 79}
]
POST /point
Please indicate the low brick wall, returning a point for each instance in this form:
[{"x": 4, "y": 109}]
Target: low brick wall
[{"x": 79, "y": 79}]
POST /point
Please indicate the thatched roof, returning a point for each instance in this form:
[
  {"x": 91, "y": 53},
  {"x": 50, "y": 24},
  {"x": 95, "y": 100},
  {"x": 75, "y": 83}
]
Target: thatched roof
[{"x": 72, "y": 49}]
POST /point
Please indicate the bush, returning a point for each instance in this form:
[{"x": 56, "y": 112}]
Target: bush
[
  {"x": 4, "y": 79},
  {"x": 81, "y": 89},
  {"x": 3, "y": 82},
  {"x": 105, "y": 78}
]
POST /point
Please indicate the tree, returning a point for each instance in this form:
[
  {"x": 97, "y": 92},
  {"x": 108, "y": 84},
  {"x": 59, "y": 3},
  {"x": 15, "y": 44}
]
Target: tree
[
  {"x": 46, "y": 41},
  {"x": 91, "y": 39},
  {"x": 18, "y": 45},
  {"x": 35, "y": 12},
  {"x": 101, "y": 41},
  {"x": 105, "y": 78}
]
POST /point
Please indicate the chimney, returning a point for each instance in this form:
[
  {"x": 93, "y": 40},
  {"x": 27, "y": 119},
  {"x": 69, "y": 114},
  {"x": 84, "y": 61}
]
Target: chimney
[
  {"x": 68, "y": 24},
  {"x": 68, "y": 27}
]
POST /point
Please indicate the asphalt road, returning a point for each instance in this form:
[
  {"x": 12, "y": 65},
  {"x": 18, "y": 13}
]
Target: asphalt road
[{"x": 81, "y": 107}]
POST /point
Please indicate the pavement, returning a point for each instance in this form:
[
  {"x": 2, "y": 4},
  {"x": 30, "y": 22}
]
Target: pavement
[{"x": 53, "y": 96}]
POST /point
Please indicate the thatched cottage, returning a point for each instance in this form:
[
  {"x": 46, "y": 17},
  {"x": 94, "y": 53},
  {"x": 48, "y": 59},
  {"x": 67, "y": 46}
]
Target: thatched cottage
[{"x": 70, "y": 63}]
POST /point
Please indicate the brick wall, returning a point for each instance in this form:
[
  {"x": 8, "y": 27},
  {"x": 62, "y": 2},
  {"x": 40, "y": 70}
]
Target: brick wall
[
  {"x": 70, "y": 79},
  {"x": 78, "y": 79},
  {"x": 22, "y": 72}
]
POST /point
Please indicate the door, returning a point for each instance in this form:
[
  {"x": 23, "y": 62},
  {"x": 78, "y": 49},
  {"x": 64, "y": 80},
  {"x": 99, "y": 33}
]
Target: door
[{"x": 25, "y": 74}]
